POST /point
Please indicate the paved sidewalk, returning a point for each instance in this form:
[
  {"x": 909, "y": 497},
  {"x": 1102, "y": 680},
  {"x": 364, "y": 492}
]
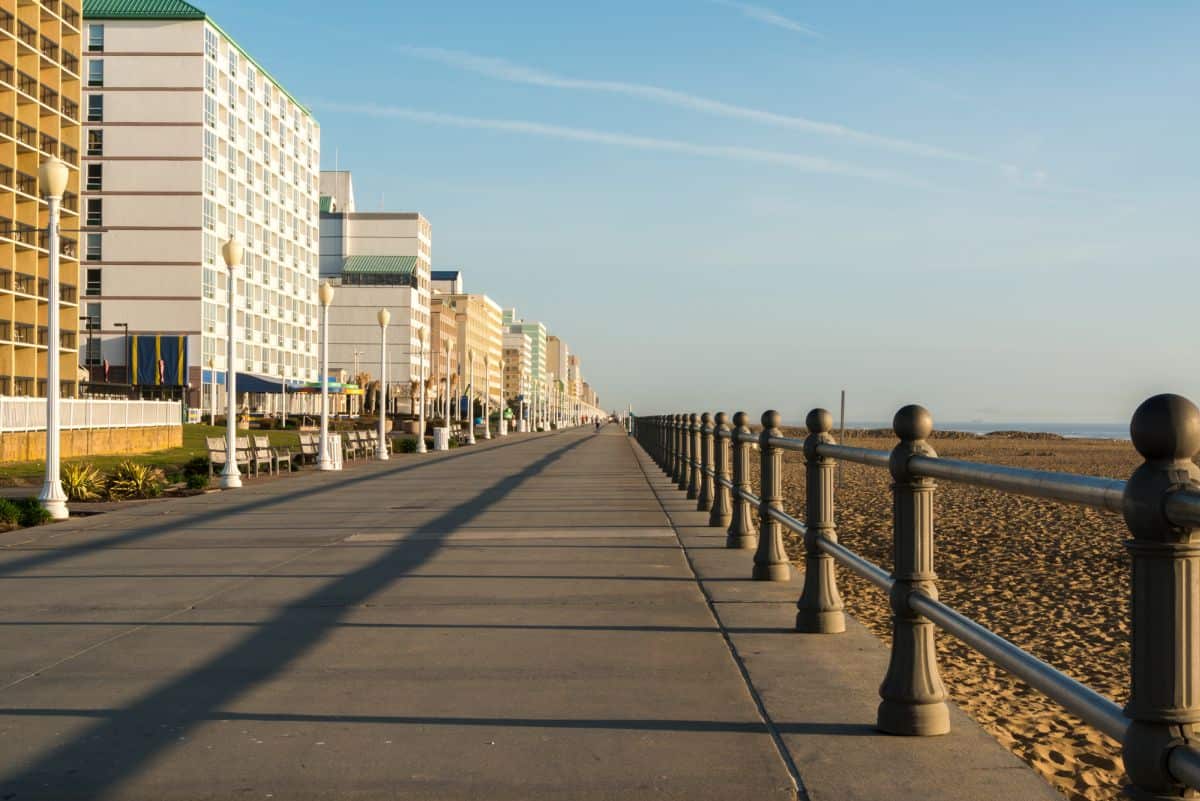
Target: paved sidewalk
[
  {"x": 511, "y": 621},
  {"x": 820, "y": 691}
]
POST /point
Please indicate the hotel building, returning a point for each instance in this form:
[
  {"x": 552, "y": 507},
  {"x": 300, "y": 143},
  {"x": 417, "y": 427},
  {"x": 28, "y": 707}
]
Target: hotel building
[
  {"x": 375, "y": 260},
  {"x": 39, "y": 118},
  {"x": 191, "y": 142},
  {"x": 518, "y": 361},
  {"x": 537, "y": 357},
  {"x": 480, "y": 331}
]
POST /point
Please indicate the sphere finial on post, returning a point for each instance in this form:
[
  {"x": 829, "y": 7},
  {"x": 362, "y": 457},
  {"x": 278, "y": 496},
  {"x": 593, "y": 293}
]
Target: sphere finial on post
[
  {"x": 1164, "y": 699},
  {"x": 722, "y": 509},
  {"x": 820, "y": 608},
  {"x": 770, "y": 558},
  {"x": 741, "y": 533},
  {"x": 914, "y": 699}
]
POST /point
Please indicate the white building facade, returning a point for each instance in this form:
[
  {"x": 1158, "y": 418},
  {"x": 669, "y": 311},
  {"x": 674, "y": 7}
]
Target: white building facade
[{"x": 190, "y": 142}]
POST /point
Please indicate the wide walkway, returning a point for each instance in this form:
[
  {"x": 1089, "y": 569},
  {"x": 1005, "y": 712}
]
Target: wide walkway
[{"x": 511, "y": 621}]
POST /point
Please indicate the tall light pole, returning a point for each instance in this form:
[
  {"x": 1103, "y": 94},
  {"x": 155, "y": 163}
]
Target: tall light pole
[
  {"x": 212, "y": 380},
  {"x": 421, "y": 414},
  {"x": 230, "y": 478},
  {"x": 325, "y": 295},
  {"x": 53, "y": 176},
  {"x": 381, "y": 448},
  {"x": 487, "y": 396},
  {"x": 471, "y": 399}
]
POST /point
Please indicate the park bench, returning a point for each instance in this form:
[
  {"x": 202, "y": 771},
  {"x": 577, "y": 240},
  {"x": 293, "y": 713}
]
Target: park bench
[
  {"x": 254, "y": 458},
  {"x": 216, "y": 454},
  {"x": 310, "y": 447},
  {"x": 274, "y": 458}
]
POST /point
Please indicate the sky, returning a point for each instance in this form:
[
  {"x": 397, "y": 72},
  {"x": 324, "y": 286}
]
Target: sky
[{"x": 989, "y": 209}]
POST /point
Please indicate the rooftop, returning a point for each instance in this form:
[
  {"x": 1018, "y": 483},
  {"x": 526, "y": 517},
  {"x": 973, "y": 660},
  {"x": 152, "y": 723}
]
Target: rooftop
[
  {"x": 379, "y": 265},
  {"x": 177, "y": 10}
]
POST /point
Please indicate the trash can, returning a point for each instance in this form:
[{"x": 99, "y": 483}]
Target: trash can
[{"x": 441, "y": 439}]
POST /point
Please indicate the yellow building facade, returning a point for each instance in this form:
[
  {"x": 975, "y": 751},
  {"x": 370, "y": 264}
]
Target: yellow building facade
[{"x": 40, "y": 89}]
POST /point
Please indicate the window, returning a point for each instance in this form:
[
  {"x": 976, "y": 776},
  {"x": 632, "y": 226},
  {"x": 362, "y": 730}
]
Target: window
[
  {"x": 95, "y": 38},
  {"x": 95, "y": 211},
  {"x": 95, "y": 72},
  {"x": 92, "y": 311},
  {"x": 93, "y": 287},
  {"x": 210, "y": 251},
  {"x": 210, "y": 43},
  {"x": 95, "y": 177},
  {"x": 91, "y": 354},
  {"x": 95, "y": 108},
  {"x": 210, "y": 216},
  {"x": 210, "y": 145},
  {"x": 210, "y": 77},
  {"x": 210, "y": 111},
  {"x": 95, "y": 143},
  {"x": 94, "y": 250}
]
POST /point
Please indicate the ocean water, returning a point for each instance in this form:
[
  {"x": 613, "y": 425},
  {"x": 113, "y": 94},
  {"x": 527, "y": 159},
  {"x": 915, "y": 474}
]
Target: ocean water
[{"x": 1069, "y": 430}]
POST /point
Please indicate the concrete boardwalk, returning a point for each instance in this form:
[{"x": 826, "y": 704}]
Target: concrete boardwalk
[
  {"x": 512, "y": 621},
  {"x": 518, "y": 620}
]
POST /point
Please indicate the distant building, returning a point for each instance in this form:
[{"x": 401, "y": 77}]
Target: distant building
[
  {"x": 480, "y": 332},
  {"x": 518, "y": 363},
  {"x": 537, "y": 342},
  {"x": 443, "y": 352},
  {"x": 190, "y": 142},
  {"x": 448, "y": 282},
  {"x": 557, "y": 358},
  {"x": 375, "y": 260}
]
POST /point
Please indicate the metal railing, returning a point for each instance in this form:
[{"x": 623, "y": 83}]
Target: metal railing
[
  {"x": 29, "y": 414},
  {"x": 710, "y": 459}
]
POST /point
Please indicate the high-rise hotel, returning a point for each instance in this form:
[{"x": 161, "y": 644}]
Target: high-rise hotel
[
  {"x": 39, "y": 118},
  {"x": 191, "y": 142}
]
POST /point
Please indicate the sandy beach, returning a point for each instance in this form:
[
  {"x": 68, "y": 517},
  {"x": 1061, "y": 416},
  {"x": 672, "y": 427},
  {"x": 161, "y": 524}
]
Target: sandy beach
[{"x": 1051, "y": 578}]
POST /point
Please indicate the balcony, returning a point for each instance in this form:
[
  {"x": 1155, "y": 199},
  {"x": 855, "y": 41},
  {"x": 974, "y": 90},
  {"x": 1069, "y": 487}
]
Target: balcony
[
  {"x": 43, "y": 335},
  {"x": 49, "y": 97},
  {"x": 6, "y": 176},
  {"x": 6, "y": 330},
  {"x": 27, "y": 183},
  {"x": 71, "y": 156},
  {"x": 7, "y": 73},
  {"x": 26, "y": 135},
  {"x": 71, "y": 17},
  {"x": 70, "y": 62},
  {"x": 66, "y": 293},
  {"x": 23, "y": 334},
  {"x": 25, "y": 283},
  {"x": 50, "y": 49},
  {"x": 70, "y": 108},
  {"x": 66, "y": 339},
  {"x": 48, "y": 144},
  {"x": 6, "y": 21},
  {"x": 6, "y": 125},
  {"x": 27, "y": 34},
  {"x": 27, "y": 84}
]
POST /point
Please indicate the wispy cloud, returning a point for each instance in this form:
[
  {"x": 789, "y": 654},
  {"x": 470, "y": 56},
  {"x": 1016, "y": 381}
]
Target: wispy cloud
[
  {"x": 768, "y": 16},
  {"x": 500, "y": 69},
  {"x": 796, "y": 161}
]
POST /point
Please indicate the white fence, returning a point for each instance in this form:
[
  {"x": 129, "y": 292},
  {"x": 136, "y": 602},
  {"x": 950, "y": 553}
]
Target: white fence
[{"x": 29, "y": 414}]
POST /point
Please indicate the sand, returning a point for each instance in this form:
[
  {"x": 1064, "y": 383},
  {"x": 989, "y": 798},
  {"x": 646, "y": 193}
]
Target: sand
[{"x": 1053, "y": 579}]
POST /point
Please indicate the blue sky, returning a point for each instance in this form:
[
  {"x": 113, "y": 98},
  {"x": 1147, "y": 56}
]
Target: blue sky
[{"x": 990, "y": 209}]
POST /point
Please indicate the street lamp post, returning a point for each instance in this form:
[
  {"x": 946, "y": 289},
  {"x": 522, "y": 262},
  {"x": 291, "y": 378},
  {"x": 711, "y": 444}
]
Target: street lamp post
[
  {"x": 421, "y": 414},
  {"x": 212, "y": 382},
  {"x": 325, "y": 295},
  {"x": 130, "y": 378},
  {"x": 487, "y": 399},
  {"x": 381, "y": 449},
  {"x": 230, "y": 478},
  {"x": 471, "y": 399},
  {"x": 53, "y": 177}
]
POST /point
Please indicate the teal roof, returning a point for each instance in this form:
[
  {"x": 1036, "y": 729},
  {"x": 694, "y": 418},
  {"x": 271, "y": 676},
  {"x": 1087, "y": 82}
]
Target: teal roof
[
  {"x": 380, "y": 265},
  {"x": 326, "y": 204},
  {"x": 172, "y": 9},
  {"x": 141, "y": 9}
]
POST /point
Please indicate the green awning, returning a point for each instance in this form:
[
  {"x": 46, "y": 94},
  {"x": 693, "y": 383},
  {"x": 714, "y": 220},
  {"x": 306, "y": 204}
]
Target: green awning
[{"x": 379, "y": 265}]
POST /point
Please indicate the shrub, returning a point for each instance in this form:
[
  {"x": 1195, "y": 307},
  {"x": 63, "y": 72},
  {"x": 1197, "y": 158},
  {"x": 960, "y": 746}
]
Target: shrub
[
  {"x": 408, "y": 445},
  {"x": 32, "y": 512},
  {"x": 198, "y": 466},
  {"x": 198, "y": 481},
  {"x": 133, "y": 480},
  {"x": 9, "y": 512},
  {"x": 82, "y": 481}
]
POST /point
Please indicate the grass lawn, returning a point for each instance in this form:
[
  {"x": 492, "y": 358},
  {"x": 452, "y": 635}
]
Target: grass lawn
[{"x": 17, "y": 474}]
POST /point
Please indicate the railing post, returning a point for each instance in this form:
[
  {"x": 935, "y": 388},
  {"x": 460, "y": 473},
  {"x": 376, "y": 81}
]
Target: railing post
[
  {"x": 693, "y": 485},
  {"x": 685, "y": 452},
  {"x": 741, "y": 533},
  {"x": 819, "y": 610},
  {"x": 914, "y": 700},
  {"x": 676, "y": 449},
  {"x": 770, "y": 558},
  {"x": 704, "y": 498},
  {"x": 1164, "y": 700},
  {"x": 721, "y": 510}
]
